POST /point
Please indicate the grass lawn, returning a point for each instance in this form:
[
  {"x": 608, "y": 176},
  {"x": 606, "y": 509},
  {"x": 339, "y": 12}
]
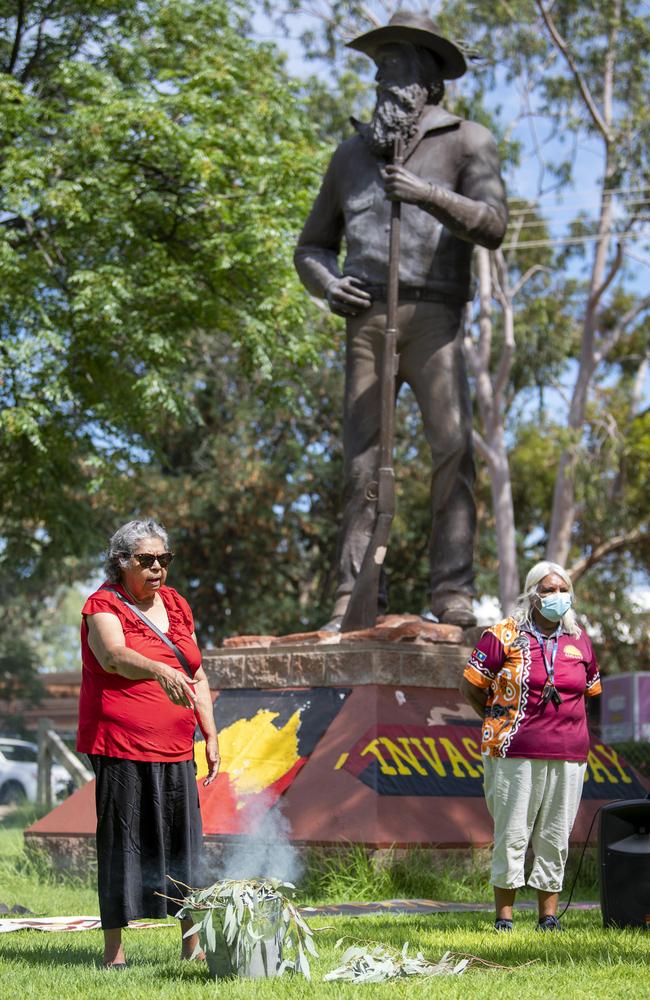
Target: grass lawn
[{"x": 583, "y": 962}]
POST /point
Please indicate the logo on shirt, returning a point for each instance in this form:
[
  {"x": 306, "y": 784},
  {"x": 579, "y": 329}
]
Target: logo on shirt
[
  {"x": 478, "y": 655},
  {"x": 573, "y": 652}
]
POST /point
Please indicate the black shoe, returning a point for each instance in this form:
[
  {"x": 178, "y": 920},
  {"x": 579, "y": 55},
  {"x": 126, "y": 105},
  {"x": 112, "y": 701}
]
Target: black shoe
[
  {"x": 549, "y": 923},
  {"x": 502, "y": 924}
]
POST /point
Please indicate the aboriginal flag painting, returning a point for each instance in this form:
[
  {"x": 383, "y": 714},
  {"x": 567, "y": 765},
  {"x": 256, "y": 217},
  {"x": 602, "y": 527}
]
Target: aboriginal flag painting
[
  {"x": 373, "y": 764},
  {"x": 265, "y": 738}
]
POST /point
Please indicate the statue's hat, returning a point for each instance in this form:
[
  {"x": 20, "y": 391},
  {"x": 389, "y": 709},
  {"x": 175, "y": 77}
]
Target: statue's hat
[{"x": 407, "y": 26}]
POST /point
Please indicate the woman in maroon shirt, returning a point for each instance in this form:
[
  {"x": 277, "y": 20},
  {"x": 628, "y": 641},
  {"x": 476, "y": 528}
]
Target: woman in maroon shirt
[
  {"x": 138, "y": 711},
  {"x": 528, "y": 678}
]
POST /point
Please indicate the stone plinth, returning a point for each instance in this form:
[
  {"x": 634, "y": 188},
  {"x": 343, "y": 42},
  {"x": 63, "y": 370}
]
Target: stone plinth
[{"x": 400, "y": 650}]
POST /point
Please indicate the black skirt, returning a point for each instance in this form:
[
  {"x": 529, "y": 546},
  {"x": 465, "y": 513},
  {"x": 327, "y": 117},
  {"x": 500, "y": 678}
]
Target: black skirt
[{"x": 148, "y": 827}]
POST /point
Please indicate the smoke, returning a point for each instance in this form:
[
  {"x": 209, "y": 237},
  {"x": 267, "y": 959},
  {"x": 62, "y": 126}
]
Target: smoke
[{"x": 266, "y": 852}]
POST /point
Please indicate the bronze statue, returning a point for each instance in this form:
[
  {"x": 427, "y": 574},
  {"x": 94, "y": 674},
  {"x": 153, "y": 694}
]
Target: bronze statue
[{"x": 452, "y": 197}]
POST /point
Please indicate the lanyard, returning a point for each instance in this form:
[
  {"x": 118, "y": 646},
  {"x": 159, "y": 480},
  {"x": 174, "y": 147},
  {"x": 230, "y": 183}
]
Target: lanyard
[
  {"x": 542, "y": 640},
  {"x": 550, "y": 692}
]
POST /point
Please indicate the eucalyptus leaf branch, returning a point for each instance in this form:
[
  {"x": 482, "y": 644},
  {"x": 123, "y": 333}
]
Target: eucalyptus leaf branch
[{"x": 250, "y": 912}]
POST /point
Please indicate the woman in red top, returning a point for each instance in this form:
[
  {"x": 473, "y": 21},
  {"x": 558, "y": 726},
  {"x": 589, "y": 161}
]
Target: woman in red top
[
  {"x": 138, "y": 710},
  {"x": 528, "y": 678}
]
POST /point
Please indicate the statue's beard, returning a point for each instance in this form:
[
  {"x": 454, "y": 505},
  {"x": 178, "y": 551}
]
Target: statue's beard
[{"x": 396, "y": 115}]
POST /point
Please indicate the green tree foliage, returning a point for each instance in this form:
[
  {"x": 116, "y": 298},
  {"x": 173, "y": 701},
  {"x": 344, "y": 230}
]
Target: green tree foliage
[
  {"x": 19, "y": 678},
  {"x": 154, "y": 169},
  {"x": 250, "y": 491},
  {"x": 159, "y": 358}
]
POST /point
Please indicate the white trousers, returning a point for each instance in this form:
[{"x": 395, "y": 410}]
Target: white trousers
[{"x": 531, "y": 801}]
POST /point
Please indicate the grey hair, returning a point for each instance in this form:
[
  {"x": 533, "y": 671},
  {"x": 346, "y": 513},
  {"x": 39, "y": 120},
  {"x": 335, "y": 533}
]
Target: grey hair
[
  {"x": 123, "y": 543},
  {"x": 524, "y": 602}
]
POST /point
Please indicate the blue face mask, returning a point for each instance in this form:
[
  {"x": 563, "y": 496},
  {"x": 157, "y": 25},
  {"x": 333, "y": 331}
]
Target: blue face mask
[{"x": 554, "y": 606}]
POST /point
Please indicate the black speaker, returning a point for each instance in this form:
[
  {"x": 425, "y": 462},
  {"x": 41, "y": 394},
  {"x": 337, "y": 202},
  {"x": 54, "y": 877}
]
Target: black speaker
[{"x": 624, "y": 852}]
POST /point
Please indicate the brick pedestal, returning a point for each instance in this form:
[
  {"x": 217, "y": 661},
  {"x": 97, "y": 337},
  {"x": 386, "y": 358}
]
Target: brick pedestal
[{"x": 404, "y": 651}]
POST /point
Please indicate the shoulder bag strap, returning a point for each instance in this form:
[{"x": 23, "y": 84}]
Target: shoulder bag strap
[{"x": 154, "y": 628}]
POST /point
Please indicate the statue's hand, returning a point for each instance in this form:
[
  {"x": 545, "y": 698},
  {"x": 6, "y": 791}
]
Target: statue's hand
[
  {"x": 346, "y": 296},
  {"x": 402, "y": 185}
]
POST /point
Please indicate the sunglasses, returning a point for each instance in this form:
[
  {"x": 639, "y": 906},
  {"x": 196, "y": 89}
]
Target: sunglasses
[{"x": 147, "y": 559}]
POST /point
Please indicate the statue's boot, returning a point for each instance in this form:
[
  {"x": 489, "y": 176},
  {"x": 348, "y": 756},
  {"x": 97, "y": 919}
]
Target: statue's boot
[
  {"x": 454, "y": 608},
  {"x": 341, "y": 606},
  {"x": 333, "y": 625}
]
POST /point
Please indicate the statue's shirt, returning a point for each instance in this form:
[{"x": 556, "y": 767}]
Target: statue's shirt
[{"x": 459, "y": 156}]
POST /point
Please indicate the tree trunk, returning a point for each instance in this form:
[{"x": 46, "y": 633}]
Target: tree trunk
[
  {"x": 492, "y": 445},
  {"x": 504, "y": 517},
  {"x": 564, "y": 496}
]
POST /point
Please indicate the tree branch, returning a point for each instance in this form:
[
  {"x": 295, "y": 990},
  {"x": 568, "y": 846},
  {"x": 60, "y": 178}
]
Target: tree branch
[
  {"x": 368, "y": 13},
  {"x": 482, "y": 446},
  {"x": 612, "y": 338},
  {"x": 20, "y": 22},
  {"x": 607, "y": 280},
  {"x": 637, "y": 388},
  {"x": 623, "y": 541},
  {"x": 33, "y": 59},
  {"x": 484, "y": 346},
  {"x": 562, "y": 46},
  {"x": 500, "y": 280},
  {"x": 527, "y": 275},
  {"x": 15, "y": 222}
]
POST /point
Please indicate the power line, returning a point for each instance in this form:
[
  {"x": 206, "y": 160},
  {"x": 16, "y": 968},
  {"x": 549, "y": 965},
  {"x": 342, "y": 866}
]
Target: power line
[
  {"x": 553, "y": 194},
  {"x": 571, "y": 240},
  {"x": 635, "y": 256},
  {"x": 555, "y": 223},
  {"x": 545, "y": 224},
  {"x": 570, "y": 210}
]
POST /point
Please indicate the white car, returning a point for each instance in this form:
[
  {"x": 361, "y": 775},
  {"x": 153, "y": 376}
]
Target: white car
[{"x": 19, "y": 773}]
